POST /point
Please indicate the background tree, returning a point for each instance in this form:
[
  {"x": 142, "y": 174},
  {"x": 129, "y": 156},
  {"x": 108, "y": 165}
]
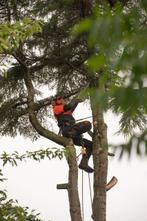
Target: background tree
[
  {"x": 53, "y": 58},
  {"x": 120, "y": 51},
  {"x": 38, "y": 61}
]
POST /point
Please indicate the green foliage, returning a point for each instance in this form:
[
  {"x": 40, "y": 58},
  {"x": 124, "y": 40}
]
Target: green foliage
[
  {"x": 96, "y": 62},
  {"x": 117, "y": 66},
  {"x": 11, "y": 35},
  {"x": 136, "y": 144},
  {"x": 9, "y": 208},
  {"x": 118, "y": 39},
  {"x": 50, "y": 56},
  {"x": 144, "y": 4},
  {"x": 49, "y": 153},
  {"x": 11, "y": 211},
  {"x": 120, "y": 36}
]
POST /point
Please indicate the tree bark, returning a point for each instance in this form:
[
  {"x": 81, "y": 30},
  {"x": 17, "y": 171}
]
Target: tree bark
[
  {"x": 100, "y": 160},
  {"x": 74, "y": 203}
]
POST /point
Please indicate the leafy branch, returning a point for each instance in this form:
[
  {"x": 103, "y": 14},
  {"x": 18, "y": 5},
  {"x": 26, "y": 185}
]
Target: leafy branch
[
  {"x": 138, "y": 142},
  {"x": 11, "y": 210},
  {"x": 49, "y": 153},
  {"x": 11, "y": 35}
]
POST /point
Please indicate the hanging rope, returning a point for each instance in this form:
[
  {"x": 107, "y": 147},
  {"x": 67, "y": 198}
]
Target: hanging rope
[
  {"x": 83, "y": 151},
  {"x": 83, "y": 216},
  {"x": 82, "y": 197},
  {"x": 90, "y": 189}
]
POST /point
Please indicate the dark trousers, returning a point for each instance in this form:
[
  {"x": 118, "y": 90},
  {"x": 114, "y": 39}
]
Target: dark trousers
[{"x": 75, "y": 132}]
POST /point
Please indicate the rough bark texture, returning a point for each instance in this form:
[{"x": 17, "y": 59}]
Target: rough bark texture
[
  {"x": 100, "y": 165},
  {"x": 54, "y": 65},
  {"x": 74, "y": 203}
]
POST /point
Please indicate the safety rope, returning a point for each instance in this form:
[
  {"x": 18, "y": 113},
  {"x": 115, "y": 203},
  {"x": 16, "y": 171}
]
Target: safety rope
[
  {"x": 83, "y": 118},
  {"x": 83, "y": 151},
  {"x": 82, "y": 196},
  {"x": 90, "y": 191}
]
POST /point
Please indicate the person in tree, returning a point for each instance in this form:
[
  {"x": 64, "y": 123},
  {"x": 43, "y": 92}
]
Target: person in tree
[{"x": 69, "y": 128}]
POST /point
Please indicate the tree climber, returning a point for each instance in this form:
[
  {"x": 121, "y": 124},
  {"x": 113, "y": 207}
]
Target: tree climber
[{"x": 70, "y": 129}]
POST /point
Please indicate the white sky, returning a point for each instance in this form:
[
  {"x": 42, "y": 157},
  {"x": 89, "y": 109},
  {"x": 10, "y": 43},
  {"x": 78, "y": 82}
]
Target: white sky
[{"x": 33, "y": 184}]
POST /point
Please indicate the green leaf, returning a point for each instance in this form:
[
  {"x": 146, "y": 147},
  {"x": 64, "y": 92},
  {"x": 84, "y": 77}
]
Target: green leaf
[
  {"x": 144, "y": 4},
  {"x": 96, "y": 62},
  {"x": 83, "y": 26}
]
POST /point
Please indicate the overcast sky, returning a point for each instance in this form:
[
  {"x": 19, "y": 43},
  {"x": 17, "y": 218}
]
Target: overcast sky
[{"x": 33, "y": 184}]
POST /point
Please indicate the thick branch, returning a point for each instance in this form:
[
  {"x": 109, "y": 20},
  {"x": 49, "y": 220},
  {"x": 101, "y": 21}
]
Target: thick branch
[
  {"x": 46, "y": 133},
  {"x": 33, "y": 119},
  {"x": 73, "y": 170},
  {"x": 56, "y": 62},
  {"x": 39, "y": 104}
]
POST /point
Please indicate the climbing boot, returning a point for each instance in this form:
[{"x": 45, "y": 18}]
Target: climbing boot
[
  {"x": 111, "y": 183},
  {"x": 84, "y": 165}
]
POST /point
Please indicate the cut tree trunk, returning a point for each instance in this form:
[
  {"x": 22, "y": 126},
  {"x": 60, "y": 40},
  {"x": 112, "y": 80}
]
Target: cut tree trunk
[
  {"x": 73, "y": 195},
  {"x": 74, "y": 203},
  {"x": 100, "y": 160}
]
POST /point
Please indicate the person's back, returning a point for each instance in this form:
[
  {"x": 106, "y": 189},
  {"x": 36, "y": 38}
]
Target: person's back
[{"x": 62, "y": 115}]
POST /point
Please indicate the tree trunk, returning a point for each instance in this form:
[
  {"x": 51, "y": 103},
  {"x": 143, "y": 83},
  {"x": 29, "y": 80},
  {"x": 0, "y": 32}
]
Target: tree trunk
[
  {"x": 74, "y": 202},
  {"x": 100, "y": 160}
]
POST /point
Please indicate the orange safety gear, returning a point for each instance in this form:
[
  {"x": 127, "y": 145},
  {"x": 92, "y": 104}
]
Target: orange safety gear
[{"x": 59, "y": 109}]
